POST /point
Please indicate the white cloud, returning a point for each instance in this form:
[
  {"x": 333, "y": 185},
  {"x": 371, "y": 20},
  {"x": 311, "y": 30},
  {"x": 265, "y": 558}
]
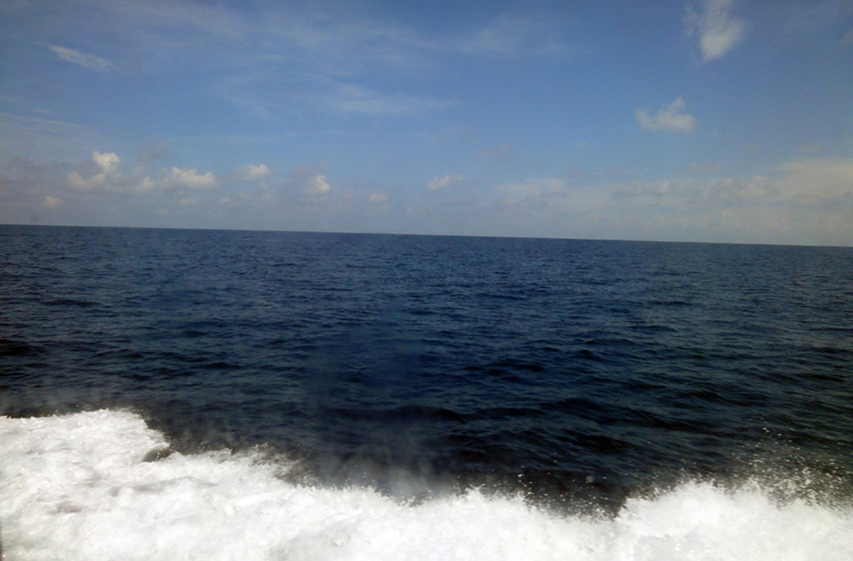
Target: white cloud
[
  {"x": 110, "y": 178},
  {"x": 76, "y": 181},
  {"x": 108, "y": 164},
  {"x": 308, "y": 180},
  {"x": 816, "y": 178},
  {"x": 251, "y": 172},
  {"x": 377, "y": 197},
  {"x": 317, "y": 185},
  {"x": 85, "y": 60},
  {"x": 807, "y": 200},
  {"x": 186, "y": 178},
  {"x": 717, "y": 29},
  {"x": 446, "y": 181},
  {"x": 668, "y": 118},
  {"x": 52, "y": 202},
  {"x": 803, "y": 181},
  {"x": 145, "y": 186},
  {"x": 688, "y": 195}
]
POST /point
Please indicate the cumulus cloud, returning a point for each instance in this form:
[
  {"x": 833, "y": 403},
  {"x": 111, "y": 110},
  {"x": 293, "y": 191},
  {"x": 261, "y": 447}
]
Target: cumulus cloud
[
  {"x": 251, "y": 172},
  {"x": 668, "y": 118},
  {"x": 308, "y": 180},
  {"x": 85, "y": 60},
  {"x": 186, "y": 178},
  {"x": 318, "y": 185},
  {"x": 76, "y": 181},
  {"x": 106, "y": 162},
  {"x": 110, "y": 178},
  {"x": 443, "y": 182},
  {"x": 718, "y": 31},
  {"x": 176, "y": 178},
  {"x": 52, "y": 202}
]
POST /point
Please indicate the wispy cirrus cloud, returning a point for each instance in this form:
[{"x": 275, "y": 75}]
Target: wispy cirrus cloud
[
  {"x": 351, "y": 98},
  {"x": 717, "y": 29},
  {"x": 268, "y": 95},
  {"x": 323, "y": 59},
  {"x": 513, "y": 37},
  {"x": 36, "y": 126},
  {"x": 85, "y": 60},
  {"x": 669, "y": 118}
]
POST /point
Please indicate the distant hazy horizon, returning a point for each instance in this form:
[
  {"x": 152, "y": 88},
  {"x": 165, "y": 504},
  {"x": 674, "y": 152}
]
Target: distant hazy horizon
[{"x": 355, "y": 233}]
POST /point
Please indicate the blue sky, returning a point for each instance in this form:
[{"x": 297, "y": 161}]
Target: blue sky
[{"x": 708, "y": 120}]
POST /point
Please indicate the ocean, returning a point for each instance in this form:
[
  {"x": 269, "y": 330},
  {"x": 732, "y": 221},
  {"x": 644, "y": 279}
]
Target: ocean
[{"x": 193, "y": 394}]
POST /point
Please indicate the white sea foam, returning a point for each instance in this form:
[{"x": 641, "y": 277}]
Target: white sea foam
[{"x": 76, "y": 487}]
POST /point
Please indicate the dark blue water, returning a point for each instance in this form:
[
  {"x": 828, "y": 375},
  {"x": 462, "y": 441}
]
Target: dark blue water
[{"x": 580, "y": 373}]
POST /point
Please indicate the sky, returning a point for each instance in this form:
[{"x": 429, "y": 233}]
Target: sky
[{"x": 698, "y": 120}]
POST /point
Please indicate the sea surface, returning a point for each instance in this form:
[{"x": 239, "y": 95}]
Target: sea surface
[{"x": 190, "y": 394}]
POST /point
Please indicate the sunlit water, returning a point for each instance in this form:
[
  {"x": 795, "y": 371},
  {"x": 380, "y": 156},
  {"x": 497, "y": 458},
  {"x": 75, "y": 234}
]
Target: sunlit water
[{"x": 245, "y": 395}]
